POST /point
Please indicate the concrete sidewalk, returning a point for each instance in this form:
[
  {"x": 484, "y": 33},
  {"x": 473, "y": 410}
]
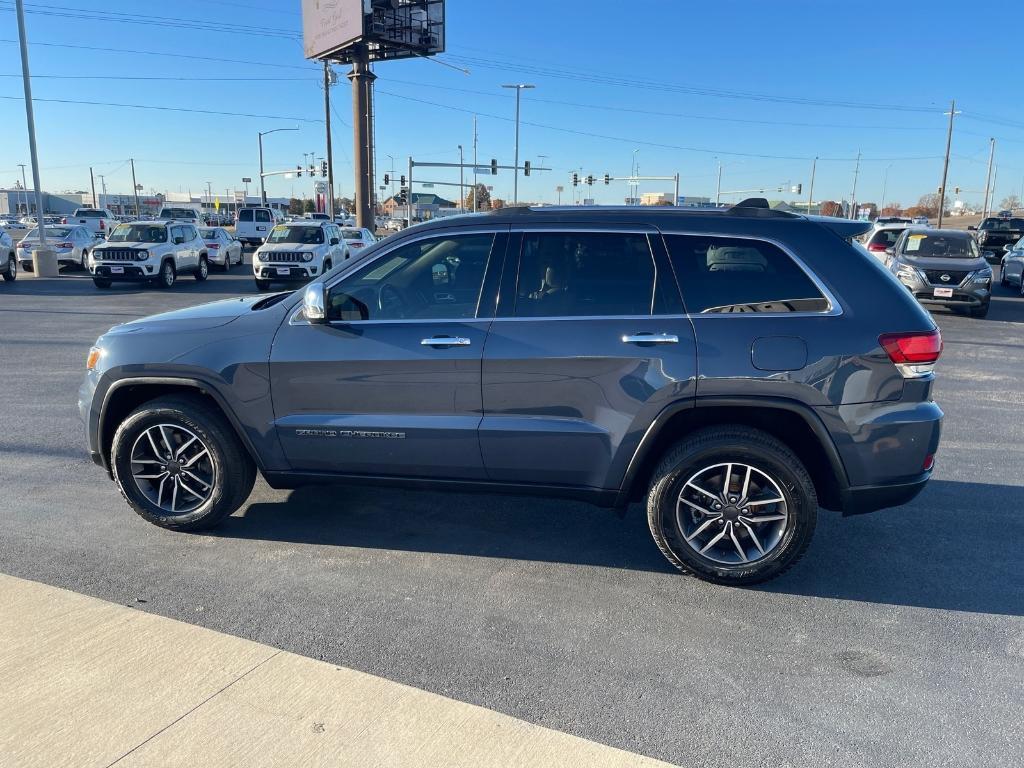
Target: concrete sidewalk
[{"x": 87, "y": 683}]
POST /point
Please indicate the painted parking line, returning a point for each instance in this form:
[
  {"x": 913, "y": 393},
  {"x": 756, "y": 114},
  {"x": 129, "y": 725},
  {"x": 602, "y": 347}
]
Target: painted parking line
[{"x": 92, "y": 683}]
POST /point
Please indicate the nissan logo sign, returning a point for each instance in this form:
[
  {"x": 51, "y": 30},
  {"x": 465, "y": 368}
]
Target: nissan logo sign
[{"x": 944, "y": 278}]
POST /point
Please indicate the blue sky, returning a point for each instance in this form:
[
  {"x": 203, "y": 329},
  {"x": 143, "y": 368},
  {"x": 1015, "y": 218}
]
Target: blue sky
[{"x": 760, "y": 87}]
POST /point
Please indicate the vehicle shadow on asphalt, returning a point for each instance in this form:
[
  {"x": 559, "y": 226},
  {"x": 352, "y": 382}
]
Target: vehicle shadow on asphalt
[{"x": 956, "y": 547}]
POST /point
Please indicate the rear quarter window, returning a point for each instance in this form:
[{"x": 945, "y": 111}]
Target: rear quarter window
[{"x": 721, "y": 275}]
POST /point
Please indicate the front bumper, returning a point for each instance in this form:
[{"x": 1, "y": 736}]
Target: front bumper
[
  {"x": 132, "y": 272},
  {"x": 295, "y": 272},
  {"x": 967, "y": 294}
]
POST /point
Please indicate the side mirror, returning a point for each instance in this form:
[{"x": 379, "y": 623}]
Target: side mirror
[
  {"x": 314, "y": 304},
  {"x": 890, "y": 251},
  {"x": 973, "y": 228},
  {"x": 335, "y": 241},
  {"x": 179, "y": 240}
]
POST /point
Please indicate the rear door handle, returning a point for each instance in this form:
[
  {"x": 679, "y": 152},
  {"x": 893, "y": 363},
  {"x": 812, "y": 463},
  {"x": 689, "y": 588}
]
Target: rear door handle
[
  {"x": 651, "y": 338},
  {"x": 445, "y": 341}
]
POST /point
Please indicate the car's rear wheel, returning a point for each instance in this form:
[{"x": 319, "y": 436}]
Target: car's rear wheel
[
  {"x": 180, "y": 465},
  {"x": 100, "y": 282},
  {"x": 83, "y": 263},
  {"x": 1003, "y": 280},
  {"x": 168, "y": 274},
  {"x": 203, "y": 271},
  {"x": 11, "y": 273},
  {"x": 732, "y": 505}
]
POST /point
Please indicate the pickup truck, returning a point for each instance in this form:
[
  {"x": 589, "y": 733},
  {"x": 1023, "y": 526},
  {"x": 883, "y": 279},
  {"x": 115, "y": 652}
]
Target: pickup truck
[
  {"x": 993, "y": 233},
  {"x": 99, "y": 221}
]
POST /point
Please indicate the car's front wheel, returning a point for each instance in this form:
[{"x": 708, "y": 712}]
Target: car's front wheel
[
  {"x": 167, "y": 275},
  {"x": 732, "y": 505},
  {"x": 180, "y": 465},
  {"x": 101, "y": 282},
  {"x": 981, "y": 311},
  {"x": 11, "y": 272},
  {"x": 203, "y": 271},
  {"x": 262, "y": 285},
  {"x": 1003, "y": 280}
]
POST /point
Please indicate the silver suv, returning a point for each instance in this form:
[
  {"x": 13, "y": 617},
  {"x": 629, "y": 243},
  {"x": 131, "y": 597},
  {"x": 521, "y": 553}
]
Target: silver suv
[
  {"x": 150, "y": 251},
  {"x": 298, "y": 251}
]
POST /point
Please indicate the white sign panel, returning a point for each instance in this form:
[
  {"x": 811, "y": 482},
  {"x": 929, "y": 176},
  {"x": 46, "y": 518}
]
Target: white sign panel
[{"x": 330, "y": 24}]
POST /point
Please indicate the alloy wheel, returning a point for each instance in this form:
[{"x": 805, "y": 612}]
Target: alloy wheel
[
  {"x": 732, "y": 513},
  {"x": 173, "y": 468}
]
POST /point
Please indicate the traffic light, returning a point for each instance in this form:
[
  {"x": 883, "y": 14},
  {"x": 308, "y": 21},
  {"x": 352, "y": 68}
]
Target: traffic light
[
  {"x": 298, "y": 170},
  {"x": 312, "y": 170},
  {"x": 956, "y": 190},
  {"x": 401, "y": 181},
  {"x": 526, "y": 168},
  {"x": 323, "y": 168},
  {"x": 575, "y": 179},
  {"x": 494, "y": 167},
  {"x": 387, "y": 179},
  {"x": 590, "y": 180},
  {"x": 798, "y": 189},
  {"x": 607, "y": 179},
  {"x": 403, "y": 196}
]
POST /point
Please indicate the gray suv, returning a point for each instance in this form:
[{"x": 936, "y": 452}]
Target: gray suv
[
  {"x": 734, "y": 369},
  {"x": 943, "y": 267}
]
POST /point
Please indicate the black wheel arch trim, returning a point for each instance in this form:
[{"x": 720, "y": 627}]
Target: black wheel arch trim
[
  {"x": 805, "y": 412},
  {"x": 203, "y": 386}
]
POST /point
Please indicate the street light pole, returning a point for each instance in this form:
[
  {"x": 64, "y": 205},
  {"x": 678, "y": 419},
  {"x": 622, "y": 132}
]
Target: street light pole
[
  {"x": 24, "y": 187},
  {"x": 462, "y": 182},
  {"x": 515, "y": 182},
  {"x": 885, "y": 184},
  {"x": 135, "y": 190},
  {"x": 945, "y": 164},
  {"x": 810, "y": 191},
  {"x": 31, "y": 120},
  {"x": 988, "y": 176},
  {"x": 718, "y": 192},
  {"x": 263, "y": 188}
]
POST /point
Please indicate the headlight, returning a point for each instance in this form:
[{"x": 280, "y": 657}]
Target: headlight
[
  {"x": 982, "y": 275},
  {"x": 257, "y": 256},
  {"x": 95, "y": 353},
  {"x": 307, "y": 257},
  {"x": 141, "y": 255},
  {"x": 909, "y": 273}
]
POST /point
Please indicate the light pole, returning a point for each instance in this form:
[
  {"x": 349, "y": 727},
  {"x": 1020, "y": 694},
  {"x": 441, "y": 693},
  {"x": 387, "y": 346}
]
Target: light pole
[
  {"x": 462, "y": 182},
  {"x": 24, "y": 187},
  {"x": 634, "y": 171},
  {"x": 519, "y": 87},
  {"x": 263, "y": 188},
  {"x": 885, "y": 184}
]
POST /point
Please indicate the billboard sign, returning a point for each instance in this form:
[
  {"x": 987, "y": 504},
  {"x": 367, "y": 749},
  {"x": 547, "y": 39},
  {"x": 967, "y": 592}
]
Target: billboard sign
[{"x": 328, "y": 25}]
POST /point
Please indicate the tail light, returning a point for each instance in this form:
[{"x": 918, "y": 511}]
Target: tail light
[
  {"x": 214, "y": 246},
  {"x": 355, "y": 245},
  {"x": 102, "y": 225},
  {"x": 914, "y": 354},
  {"x": 64, "y": 220},
  {"x": 876, "y": 247},
  {"x": 65, "y": 245}
]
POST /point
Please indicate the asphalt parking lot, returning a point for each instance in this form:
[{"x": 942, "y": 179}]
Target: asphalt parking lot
[{"x": 897, "y": 641}]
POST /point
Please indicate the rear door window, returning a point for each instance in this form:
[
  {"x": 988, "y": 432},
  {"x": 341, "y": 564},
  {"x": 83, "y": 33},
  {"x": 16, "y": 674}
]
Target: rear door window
[
  {"x": 245, "y": 214},
  {"x": 721, "y": 275},
  {"x": 263, "y": 216},
  {"x": 576, "y": 274}
]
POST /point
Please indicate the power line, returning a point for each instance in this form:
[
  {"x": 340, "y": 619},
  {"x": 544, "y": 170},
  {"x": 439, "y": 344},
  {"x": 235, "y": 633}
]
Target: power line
[
  {"x": 168, "y": 109},
  {"x": 629, "y": 140},
  {"x": 201, "y": 79}
]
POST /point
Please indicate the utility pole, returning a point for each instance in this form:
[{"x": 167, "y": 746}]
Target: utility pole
[
  {"x": 718, "y": 193},
  {"x": 810, "y": 192},
  {"x": 361, "y": 77},
  {"x": 330, "y": 144},
  {"x": 462, "y": 182},
  {"x": 24, "y": 187},
  {"x": 135, "y": 189},
  {"x": 103, "y": 185},
  {"x": 520, "y": 87},
  {"x": 853, "y": 195},
  {"x": 988, "y": 176},
  {"x": 47, "y": 268},
  {"x": 209, "y": 194},
  {"x": 474, "y": 165},
  {"x": 92, "y": 182},
  {"x": 945, "y": 164}
]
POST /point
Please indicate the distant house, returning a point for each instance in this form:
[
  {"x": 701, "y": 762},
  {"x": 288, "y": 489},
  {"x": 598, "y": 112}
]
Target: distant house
[{"x": 425, "y": 205}]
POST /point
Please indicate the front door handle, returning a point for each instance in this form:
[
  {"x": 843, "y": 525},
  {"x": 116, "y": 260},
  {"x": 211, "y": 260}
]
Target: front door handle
[
  {"x": 651, "y": 338},
  {"x": 445, "y": 341}
]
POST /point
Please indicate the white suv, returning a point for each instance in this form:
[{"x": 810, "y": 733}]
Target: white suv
[
  {"x": 144, "y": 251},
  {"x": 298, "y": 251}
]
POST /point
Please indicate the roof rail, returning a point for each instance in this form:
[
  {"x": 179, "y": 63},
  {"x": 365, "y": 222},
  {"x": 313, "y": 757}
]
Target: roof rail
[{"x": 758, "y": 207}]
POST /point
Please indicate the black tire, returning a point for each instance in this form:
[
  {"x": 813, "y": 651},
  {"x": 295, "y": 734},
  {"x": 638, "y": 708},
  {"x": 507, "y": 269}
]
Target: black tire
[
  {"x": 168, "y": 275},
  {"x": 101, "y": 282},
  {"x": 328, "y": 266},
  {"x": 1021, "y": 284},
  {"x": 11, "y": 273},
  {"x": 203, "y": 270},
  {"x": 980, "y": 312},
  {"x": 84, "y": 263},
  {"x": 1002, "y": 277},
  {"x": 262, "y": 285},
  {"x": 234, "y": 472},
  {"x": 726, "y": 444}
]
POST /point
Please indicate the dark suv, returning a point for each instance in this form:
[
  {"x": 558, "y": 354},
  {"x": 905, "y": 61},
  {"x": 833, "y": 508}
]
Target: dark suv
[{"x": 736, "y": 369}]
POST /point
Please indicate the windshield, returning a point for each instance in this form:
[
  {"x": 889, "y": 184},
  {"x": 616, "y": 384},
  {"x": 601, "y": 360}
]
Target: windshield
[
  {"x": 352, "y": 234},
  {"x": 138, "y": 233},
  {"x": 300, "y": 235},
  {"x": 177, "y": 213},
  {"x": 941, "y": 246},
  {"x": 1002, "y": 224},
  {"x": 50, "y": 232}
]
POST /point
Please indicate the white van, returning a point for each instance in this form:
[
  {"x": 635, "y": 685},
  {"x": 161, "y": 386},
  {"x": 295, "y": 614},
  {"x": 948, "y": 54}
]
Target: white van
[{"x": 253, "y": 225}]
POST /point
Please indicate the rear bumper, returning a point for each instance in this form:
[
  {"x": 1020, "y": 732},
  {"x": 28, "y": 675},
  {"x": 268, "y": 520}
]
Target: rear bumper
[{"x": 858, "y": 500}]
